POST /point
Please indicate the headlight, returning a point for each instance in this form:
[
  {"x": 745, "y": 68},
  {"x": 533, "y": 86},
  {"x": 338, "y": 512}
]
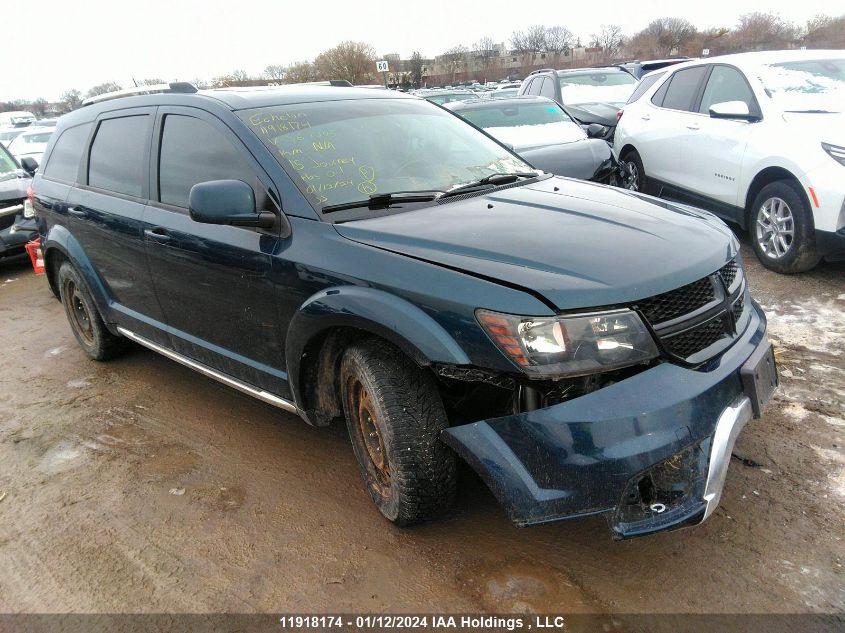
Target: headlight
[
  {"x": 836, "y": 152},
  {"x": 28, "y": 209},
  {"x": 572, "y": 345}
]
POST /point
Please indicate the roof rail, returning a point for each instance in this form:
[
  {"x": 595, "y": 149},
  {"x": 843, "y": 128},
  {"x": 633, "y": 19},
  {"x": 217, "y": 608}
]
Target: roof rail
[
  {"x": 542, "y": 70},
  {"x": 176, "y": 86},
  {"x": 338, "y": 83}
]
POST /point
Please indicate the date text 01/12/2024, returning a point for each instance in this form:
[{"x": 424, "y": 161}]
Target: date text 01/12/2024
[{"x": 456, "y": 622}]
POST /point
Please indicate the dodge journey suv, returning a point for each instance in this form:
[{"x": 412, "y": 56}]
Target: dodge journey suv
[{"x": 364, "y": 255}]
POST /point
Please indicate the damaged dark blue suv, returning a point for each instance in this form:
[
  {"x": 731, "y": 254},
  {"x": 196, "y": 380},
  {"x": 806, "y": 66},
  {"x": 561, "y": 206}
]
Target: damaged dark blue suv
[{"x": 362, "y": 254}]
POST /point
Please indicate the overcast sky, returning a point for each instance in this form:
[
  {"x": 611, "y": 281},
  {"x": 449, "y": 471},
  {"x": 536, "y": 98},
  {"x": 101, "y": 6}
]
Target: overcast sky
[{"x": 54, "y": 45}]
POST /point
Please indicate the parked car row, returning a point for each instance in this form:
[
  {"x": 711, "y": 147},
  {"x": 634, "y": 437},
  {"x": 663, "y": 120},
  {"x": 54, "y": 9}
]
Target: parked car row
[{"x": 24, "y": 135}]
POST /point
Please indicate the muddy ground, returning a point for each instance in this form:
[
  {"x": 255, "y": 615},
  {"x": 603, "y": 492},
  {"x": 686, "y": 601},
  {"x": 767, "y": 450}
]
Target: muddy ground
[{"x": 140, "y": 486}]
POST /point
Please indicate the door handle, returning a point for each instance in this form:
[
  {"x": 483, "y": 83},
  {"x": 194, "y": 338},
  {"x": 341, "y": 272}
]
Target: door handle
[
  {"x": 79, "y": 213},
  {"x": 646, "y": 117},
  {"x": 693, "y": 126},
  {"x": 157, "y": 234}
]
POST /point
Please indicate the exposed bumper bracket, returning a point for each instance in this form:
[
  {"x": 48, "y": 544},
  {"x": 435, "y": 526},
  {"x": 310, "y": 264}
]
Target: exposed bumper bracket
[{"x": 728, "y": 427}]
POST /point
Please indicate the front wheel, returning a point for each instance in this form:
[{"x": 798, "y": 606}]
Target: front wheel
[
  {"x": 394, "y": 416},
  {"x": 782, "y": 230}
]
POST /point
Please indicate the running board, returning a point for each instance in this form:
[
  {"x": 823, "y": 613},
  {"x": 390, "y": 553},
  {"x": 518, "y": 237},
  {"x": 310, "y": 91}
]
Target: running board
[{"x": 243, "y": 387}]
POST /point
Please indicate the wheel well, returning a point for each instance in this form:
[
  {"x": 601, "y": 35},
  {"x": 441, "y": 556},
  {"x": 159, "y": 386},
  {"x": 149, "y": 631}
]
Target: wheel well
[
  {"x": 53, "y": 260},
  {"x": 625, "y": 149},
  {"x": 319, "y": 372},
  {"x": 768, "y": 176}
]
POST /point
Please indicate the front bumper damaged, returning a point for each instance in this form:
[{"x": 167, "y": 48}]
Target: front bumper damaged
[{"x": 650, "y": 452}]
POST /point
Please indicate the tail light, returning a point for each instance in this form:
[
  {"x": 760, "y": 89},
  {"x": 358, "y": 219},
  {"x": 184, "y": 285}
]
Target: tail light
[
  {"x": 619, "y": 116},
  {"x": 29, "y": 203}
]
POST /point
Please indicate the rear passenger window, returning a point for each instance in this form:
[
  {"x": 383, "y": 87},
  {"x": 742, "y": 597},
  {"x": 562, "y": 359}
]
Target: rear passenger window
[
  {"x": 63, "y": 163},
  {"x": 193, "y": 151},
  {"x": 117, "y": 162},
  {"x": 683, "y": 88}
]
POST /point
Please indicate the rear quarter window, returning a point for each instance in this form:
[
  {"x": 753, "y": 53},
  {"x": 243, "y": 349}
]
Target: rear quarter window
[
  {"x": 645, "y": 83},
  {"x": 63, "y": 163}
]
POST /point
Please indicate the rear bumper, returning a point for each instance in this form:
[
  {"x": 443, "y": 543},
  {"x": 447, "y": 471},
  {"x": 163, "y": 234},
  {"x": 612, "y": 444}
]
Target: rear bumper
[{"x": 650, "y": 452}]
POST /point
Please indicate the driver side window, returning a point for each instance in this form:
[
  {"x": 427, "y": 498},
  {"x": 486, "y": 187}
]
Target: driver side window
[{"x": 726, "y": 84}]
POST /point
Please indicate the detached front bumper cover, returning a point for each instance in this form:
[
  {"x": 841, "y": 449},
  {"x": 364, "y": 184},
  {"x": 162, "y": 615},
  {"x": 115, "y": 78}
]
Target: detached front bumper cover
[{"x": 650, "y": 452}]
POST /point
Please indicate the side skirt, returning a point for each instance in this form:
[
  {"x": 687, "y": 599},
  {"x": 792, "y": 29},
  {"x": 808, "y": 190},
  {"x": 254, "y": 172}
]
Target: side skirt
[
  {"x": 727, "y": 212},
  {"x": 262, "y": 395}
]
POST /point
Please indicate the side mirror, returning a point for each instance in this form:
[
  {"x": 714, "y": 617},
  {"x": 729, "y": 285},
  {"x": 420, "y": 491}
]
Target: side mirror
[
  {"x": 732, "y": 110},
  {"x": 229, "y": 202},
  {"x": 29, "y": 164},
  {"x": 596, "y": 130}
]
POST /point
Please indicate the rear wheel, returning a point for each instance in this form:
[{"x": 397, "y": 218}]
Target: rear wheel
[
  {"x": 85, "y": 322},
  {"x": 782, "y": 230},
  {"x": 633, "y": 173},
  {"x": 394, "y": 416}
]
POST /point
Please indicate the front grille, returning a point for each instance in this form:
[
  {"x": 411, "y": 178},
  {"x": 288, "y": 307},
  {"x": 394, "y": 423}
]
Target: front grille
[
  {"x": 695, "y": 317},
  {"x": 675, "y": 303},
  {"x": 697, "y": 339},
  {"x": 739, "y": 307},
  {"x": 728, "y": 272}
]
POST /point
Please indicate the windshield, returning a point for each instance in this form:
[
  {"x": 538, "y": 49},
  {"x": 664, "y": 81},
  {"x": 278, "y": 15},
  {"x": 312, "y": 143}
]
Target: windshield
[
  {"x": 346, "y": 151},
  {"x": 525, "y": 122},
  {"x": 807, "y": 84},
  {"x": 600, "y": 87}
]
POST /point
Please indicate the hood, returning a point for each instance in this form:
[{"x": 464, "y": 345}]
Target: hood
[
  {"x": 13, "y": 185},
  {"x": 604, "y": 113},
  {"x": 583, "y": 245},
  {"x": 575, "y": 160},
  {"x": 822, "y": 127}
]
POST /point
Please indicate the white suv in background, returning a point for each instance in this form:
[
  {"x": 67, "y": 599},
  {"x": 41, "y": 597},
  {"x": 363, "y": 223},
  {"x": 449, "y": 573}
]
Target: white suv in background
[{"x": 756, "y": 138}]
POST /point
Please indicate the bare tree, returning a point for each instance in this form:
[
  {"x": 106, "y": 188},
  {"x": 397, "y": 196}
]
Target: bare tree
[
  {"x": 39, "y": 106},
  {"x": 416, "y": 64},
  {"x": 559, "y": 40},
  {"x": 455, "y": 60},
  {"x": 763, "y": 31},
  {"x": 535, "y": 38},
  {"x": 486, "y": 54},
  {"x": 275, "y": 72},
  {"x": 609, "y": 40},
  {"x": 300, "y": 72},
  {"x": 824, "y": 31},
  {"x": 663, "y": 37},
  {"x": 239, "y": 74},
  {"x": 71, "y": 99},
  {"x": 353, "y": 61},
  {"x": 103, "y": 88},
  {"x": 151, "y": 82}
]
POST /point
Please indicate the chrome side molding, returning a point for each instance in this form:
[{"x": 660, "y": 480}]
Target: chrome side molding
[
  {"x": 241, "y": 386},
  {"x": 728, "y": 426}
]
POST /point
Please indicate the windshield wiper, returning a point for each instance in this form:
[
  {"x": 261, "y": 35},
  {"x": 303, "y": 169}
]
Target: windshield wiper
[
  {"x": 385, "y": 200},
  {"x": 492, "y": 180}
]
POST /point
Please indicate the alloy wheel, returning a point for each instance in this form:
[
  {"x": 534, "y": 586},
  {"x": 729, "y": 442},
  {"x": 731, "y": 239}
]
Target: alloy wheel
[
  {"x": 775, "y": 228},
  {"x": 631, "y": 176}
]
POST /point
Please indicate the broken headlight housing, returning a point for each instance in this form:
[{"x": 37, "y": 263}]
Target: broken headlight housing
[{"x": 573, "y": 345}]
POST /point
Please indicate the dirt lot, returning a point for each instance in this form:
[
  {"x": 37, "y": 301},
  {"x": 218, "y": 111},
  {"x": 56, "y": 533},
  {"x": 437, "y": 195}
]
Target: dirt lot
[{"x": 140, "y": 486}]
